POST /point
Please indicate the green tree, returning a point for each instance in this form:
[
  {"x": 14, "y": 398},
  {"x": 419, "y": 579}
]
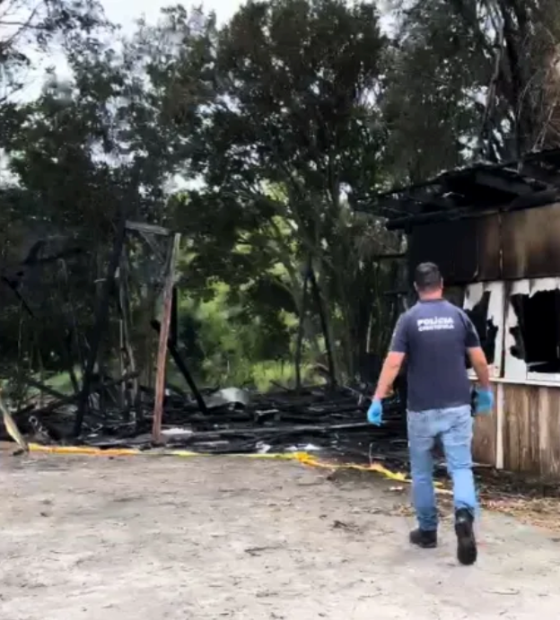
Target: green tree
[
  {"x": 481, "y": 75},
  {"x": 28, "y": 31},
  {"x": 99, "y": 142},
  {"x": 295, "y": 108}
]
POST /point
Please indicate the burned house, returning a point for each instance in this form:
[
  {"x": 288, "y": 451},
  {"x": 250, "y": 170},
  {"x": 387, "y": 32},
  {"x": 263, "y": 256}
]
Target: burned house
[{"x": 495, "y": 233}]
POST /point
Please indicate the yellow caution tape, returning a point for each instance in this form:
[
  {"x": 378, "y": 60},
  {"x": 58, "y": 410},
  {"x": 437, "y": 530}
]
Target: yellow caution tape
[
  {"x": 302, "y": 457},
  {"x": 34, "y": 447},
  {"x": 283, "y": 456},
  {"x": 183, "y": 453},
  {"x": 311, "y": 461},
  {"x": 305, "y": 458}
]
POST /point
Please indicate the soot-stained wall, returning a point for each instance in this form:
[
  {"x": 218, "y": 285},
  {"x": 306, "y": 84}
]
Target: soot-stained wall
[{"x": 500, "y": 246}]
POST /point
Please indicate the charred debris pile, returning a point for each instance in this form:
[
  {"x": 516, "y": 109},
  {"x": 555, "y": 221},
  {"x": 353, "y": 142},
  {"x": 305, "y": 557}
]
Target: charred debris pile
[
  {"x": 231, "y": 421},
  {"x": 114, "y": 408}
]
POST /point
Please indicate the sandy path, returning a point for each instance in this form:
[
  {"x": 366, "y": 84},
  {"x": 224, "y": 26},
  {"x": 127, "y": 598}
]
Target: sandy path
[{"x": 148, "y": 538}]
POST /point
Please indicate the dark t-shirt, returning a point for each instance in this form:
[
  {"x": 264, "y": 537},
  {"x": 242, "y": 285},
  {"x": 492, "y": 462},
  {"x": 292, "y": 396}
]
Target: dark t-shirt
[{"x": 435, "y": 336}]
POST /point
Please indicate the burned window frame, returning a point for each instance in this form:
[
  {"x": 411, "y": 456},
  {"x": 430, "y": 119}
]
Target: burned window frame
[
  {"x": 491, "y": 295},
  {"x": 516, "y": 368}
]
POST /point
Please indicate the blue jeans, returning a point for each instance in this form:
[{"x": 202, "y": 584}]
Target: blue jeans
[{"x": 455, "y": 429}]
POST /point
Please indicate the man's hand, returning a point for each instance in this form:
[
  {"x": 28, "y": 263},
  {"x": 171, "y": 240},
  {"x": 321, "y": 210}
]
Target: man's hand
[
  {"x": 375, "y": 412},
  {"x": 484, "y": 401}
]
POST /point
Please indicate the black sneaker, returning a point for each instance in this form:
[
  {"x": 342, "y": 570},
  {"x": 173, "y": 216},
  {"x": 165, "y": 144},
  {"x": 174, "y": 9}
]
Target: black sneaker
[
  {"x": 466, "y": 542},
  {"x": 423, "y": 539}
]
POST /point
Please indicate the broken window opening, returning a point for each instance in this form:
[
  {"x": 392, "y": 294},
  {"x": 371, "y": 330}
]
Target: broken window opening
[
  {"x": 537, "y": 334},
  {"x": 485, "y": 327}
]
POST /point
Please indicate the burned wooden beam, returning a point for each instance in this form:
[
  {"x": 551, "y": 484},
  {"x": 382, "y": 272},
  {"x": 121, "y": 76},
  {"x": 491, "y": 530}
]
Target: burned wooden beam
[
  {"x": 324, "y": 325},
  {"x": 330, "y": 420},
  {"x": 271, "y": 430},
  {"x": 174, "y": 327},
  {"x": 502, "y": 184},
  {"x": 393, "y": 206},
  {"x": 71, "y": 339},
  {"x": 150, "y": 229},
  {"x": 536, "y": 199},
  {"x": 437, "y": 202},
  {"x": 101, "y": 316},
  {"x": 164, "y": 338},
  {"x": 393, "y": 256},
  {"x": 72, "y": 398},
  {"x": 426, "y": 218},
  {"x": 126, "y": 322},
  {"x": 13, "y": 286},
  {"x": 43, "y": 387},
  {"x": 543, "y": 174},
  {"x": 301, "y": 326},
  {"x": 183, "y": 369}
]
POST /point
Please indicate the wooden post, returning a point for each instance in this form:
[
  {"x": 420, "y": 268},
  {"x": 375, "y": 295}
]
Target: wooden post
[
  {"x": 72, "y": 341},
  {"x": 163, "y": 338},
  {"x": 174, "y": 329},
  {"x": 301, "y": 326},
  {"x": 324, "y": 324},
  {"x": 101, "y": 316},
  {"x": 183, "y": 369},
  {"x": 122, "y": 368},
  {"x": 128, "y": 351}
]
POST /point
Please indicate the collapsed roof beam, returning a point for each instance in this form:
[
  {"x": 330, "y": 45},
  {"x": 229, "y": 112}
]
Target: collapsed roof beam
[
  {"x": 407, "y": 203},
  {"x": 436, "y": 201},
  {"x": 543, "y": 174},
  {"x": 402, "y": 223},
  {"x": 393, "y": 206},
  {"x": 508, "y": 186}
]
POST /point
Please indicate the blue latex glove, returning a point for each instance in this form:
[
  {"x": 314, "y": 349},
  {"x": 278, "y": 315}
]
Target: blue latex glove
[
  {"x": 484, "y": 401},
  {"x": 375, "y": 412}
]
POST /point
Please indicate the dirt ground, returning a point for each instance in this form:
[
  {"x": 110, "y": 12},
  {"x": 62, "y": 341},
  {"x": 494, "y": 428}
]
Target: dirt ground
[{"x": 209, "y": 538}]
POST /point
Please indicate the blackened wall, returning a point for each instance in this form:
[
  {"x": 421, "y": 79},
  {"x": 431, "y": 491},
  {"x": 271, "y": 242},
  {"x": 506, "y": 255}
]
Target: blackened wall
[{"x": 503, "y": 246}]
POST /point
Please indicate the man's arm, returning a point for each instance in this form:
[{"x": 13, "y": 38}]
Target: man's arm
[
  {"x": 389, "y": 372},
  {"x": 394, "y": 360},
  {"x": 476, "y": 355},
  {"x": 480, "y": 366}
]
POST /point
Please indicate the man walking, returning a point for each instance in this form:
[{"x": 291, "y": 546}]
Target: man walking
[{"x": 434, "y": 337}]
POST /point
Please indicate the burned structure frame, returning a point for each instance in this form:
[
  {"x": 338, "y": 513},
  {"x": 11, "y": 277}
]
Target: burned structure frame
[
  {"x": 117, "y": 360},
  {"x": 494, "y": 231},
  {"x": 94, "y": 388}
]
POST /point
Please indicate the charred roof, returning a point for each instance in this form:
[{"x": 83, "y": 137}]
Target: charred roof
[{"x": 481, "y": 188}]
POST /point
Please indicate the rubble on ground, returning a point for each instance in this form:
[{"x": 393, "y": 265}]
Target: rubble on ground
[{"x": 235, "y": 421}]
